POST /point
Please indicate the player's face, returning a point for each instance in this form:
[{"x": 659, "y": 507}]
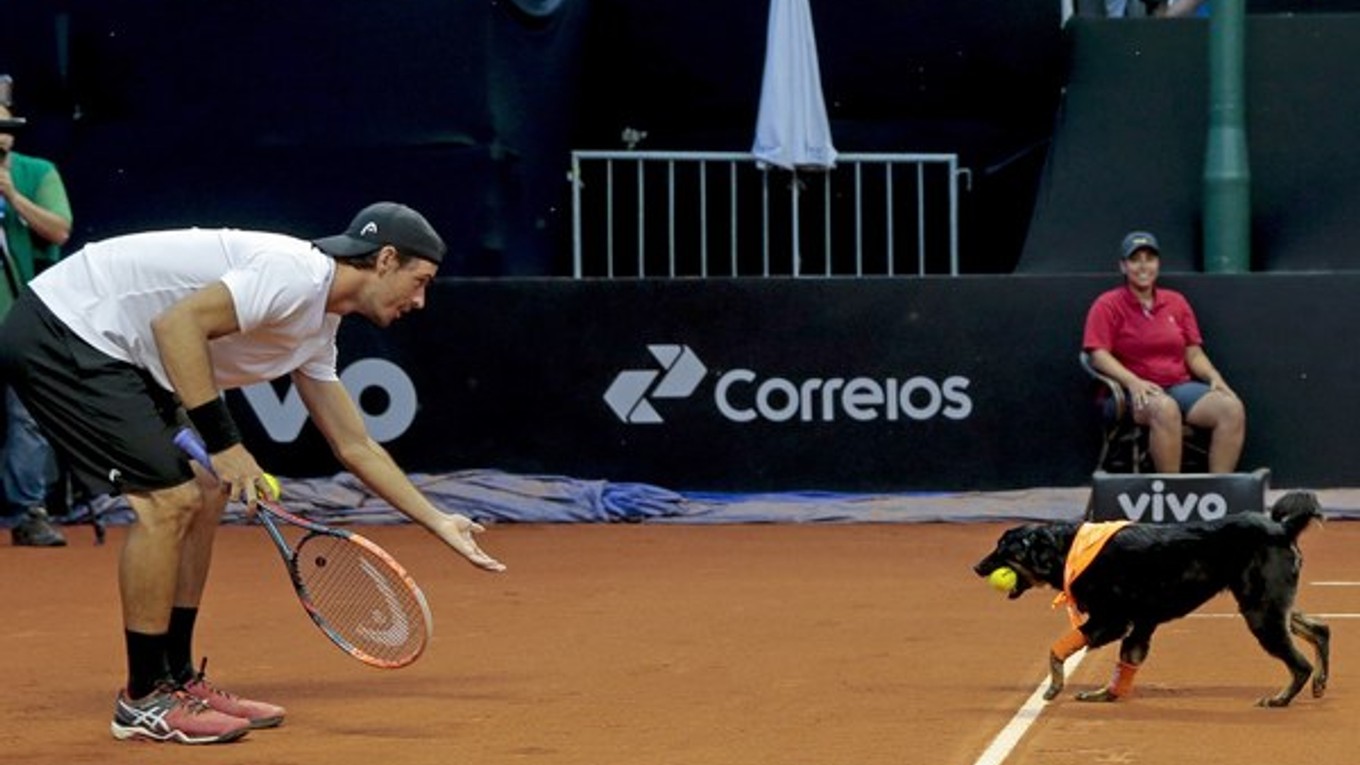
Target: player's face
[{"x": 401, "y": 289}]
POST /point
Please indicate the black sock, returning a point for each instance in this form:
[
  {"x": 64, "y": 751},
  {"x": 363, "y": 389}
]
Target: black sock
[
  {"x": 146, "y": 662},
  {"x": 179, "y": 648}
]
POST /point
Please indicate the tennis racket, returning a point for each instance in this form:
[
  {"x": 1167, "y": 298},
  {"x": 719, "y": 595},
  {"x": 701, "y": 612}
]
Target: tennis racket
[{"x": 360, "y": 597}]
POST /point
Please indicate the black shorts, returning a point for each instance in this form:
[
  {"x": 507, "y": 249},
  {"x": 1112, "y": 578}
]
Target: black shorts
[{"x": 112, "y": 421}]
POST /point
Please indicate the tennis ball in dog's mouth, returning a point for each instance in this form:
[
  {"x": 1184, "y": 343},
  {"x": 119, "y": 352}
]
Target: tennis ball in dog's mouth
[{"x": 1002, "y": 579}]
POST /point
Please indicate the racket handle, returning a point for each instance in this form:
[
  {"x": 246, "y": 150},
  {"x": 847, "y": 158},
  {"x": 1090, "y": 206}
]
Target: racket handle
[{"x": 189, "y": 442}]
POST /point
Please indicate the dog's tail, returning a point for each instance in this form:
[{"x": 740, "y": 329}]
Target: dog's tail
[{"x": 1295, "y": 511}]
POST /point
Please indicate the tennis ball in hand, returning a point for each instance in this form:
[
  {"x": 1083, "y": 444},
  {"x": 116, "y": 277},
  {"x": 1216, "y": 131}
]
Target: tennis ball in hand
[
  {"x": 1002, "y": 579},
  {"x": 275, "y": 490}
]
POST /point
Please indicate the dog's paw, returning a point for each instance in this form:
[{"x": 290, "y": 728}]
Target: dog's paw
[
  {"x": 1052, "y": 692},
  {"x": 1319, "y": 685}
]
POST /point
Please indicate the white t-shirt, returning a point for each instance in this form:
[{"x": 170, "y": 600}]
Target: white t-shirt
[{"x": 109, "y": 292}]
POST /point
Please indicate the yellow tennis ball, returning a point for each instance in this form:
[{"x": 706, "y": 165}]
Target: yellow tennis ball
[
  {"x": 275, "y": 490},
  {"x": 1002, "y": 579}
]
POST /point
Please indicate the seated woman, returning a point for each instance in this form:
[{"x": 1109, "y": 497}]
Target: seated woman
[{"x": 1147, "y": 339}]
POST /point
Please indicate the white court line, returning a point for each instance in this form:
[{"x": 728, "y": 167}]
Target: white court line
[
  {"x": 1005, "y": 741},
  {"x": 1335, "y": 584}
]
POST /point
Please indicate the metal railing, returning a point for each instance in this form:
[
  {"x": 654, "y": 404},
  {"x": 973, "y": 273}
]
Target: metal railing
[{"x": 702, "y": 214}]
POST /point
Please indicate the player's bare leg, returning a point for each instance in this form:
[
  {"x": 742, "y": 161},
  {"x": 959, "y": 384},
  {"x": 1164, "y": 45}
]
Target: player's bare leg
[
  {"x": 195, "y": 562},
  {"x": 196, "y": 555},
  {"x": 152, "y": 707},
  {"x": 149, "y": 567}
]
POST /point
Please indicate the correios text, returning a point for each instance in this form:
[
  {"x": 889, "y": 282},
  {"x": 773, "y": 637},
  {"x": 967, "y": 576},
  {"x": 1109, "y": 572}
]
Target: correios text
[{"x": 742, "y": 396}]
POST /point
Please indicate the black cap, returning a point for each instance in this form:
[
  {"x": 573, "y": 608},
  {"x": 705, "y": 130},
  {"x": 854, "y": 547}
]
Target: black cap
[{"x": 385, "y": 223}]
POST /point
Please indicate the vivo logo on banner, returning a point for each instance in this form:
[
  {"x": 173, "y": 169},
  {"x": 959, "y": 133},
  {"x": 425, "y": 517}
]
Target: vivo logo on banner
[
  {"x": 743, "y": 395},
  {"x": 1176, "y": 497},
  {"x": 1159, "y": 502},
  {"x": 283, "y": 419}
]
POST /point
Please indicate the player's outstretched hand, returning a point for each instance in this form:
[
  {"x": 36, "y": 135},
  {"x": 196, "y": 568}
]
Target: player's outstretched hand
[{"x": 457, "y": 531}]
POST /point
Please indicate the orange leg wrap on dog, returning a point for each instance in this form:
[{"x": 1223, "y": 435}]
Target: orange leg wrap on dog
[
  {"x": 1069, "y": 644},
  {"x": 1122, "y": 682}
]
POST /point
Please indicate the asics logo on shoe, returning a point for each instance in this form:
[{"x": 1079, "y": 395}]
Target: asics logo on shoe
[
  {"x": 173, "y": 715},
  {"x": 628, "y": 396},
  {"x": 152, "y": 718}
]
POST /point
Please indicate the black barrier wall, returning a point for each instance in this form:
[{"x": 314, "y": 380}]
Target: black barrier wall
[{"x": 870, "y": 385}]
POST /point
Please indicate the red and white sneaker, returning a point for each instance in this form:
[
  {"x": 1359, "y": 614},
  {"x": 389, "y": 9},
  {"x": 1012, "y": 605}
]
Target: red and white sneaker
[
  {"x": 261, "y": 714},
  {"x": 170, "y": 714}
]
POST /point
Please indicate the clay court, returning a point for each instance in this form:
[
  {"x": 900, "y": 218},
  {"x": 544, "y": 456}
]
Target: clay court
[{"x": 633, "y": 644}]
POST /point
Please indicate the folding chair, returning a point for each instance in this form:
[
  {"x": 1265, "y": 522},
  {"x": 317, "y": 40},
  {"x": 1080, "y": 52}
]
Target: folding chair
[{"x": 1124, "y": 444}]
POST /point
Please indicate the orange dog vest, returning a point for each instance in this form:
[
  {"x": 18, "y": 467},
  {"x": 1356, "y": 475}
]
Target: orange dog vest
[{"x": 1090, "y": 540}]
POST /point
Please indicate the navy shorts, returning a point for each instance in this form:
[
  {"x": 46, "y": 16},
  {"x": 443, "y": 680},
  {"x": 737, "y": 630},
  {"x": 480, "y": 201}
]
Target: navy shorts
[
  {"x": 1186, "y": 394},
  {"x": 112, "y": 420}
]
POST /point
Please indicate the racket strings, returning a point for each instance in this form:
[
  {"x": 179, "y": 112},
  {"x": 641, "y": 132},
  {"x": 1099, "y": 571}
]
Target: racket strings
[{"x": 365, "y": 601}]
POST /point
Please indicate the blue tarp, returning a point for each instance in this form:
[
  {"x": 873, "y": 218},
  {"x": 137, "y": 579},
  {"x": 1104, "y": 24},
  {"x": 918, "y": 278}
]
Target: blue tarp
[
  {"x": 490, "y": 496},
  {"x": 493, "y": 496}
]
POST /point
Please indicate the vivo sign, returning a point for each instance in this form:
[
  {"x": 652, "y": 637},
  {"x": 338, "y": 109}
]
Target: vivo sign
[
  {"x": 744, "y": 395},
  {"x": 1176, "y": 498},
  {"x": 1160, "y": 505},
  {"x": 283, "y": 418}
]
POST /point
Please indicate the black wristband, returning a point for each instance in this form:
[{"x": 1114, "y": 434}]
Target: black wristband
[{"x": 214, "y": 423}]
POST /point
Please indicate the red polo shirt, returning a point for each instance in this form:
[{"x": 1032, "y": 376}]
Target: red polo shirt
[{"x": 1151, "y": 343}]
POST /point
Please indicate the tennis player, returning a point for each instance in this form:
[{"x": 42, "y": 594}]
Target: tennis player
[{"x": 114, "y": 347}]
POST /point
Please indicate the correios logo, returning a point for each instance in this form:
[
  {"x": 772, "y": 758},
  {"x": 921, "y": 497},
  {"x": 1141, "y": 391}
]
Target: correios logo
[
  {"x": 744, "y": 395},
  {"x": 1207, "y": 506},
  {"x": 628, "y": 394}
]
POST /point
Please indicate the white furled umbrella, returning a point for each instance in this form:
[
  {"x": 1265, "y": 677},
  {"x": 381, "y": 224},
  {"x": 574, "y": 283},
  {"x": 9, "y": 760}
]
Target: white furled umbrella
[{"x": 792, "y": 129}]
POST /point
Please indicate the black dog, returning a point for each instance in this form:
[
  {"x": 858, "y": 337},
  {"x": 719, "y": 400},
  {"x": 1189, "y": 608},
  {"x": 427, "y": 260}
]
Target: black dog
[{"x": 1148, "y": 574}]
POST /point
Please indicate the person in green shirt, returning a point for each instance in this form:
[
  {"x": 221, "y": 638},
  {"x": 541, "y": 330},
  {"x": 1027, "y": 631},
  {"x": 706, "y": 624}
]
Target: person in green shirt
[{"x": 35, "y": 221}]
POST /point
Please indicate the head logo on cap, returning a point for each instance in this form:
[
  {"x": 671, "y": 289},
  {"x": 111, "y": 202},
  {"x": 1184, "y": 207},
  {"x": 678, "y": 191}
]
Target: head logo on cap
[{"x": 384, "y": 223}]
